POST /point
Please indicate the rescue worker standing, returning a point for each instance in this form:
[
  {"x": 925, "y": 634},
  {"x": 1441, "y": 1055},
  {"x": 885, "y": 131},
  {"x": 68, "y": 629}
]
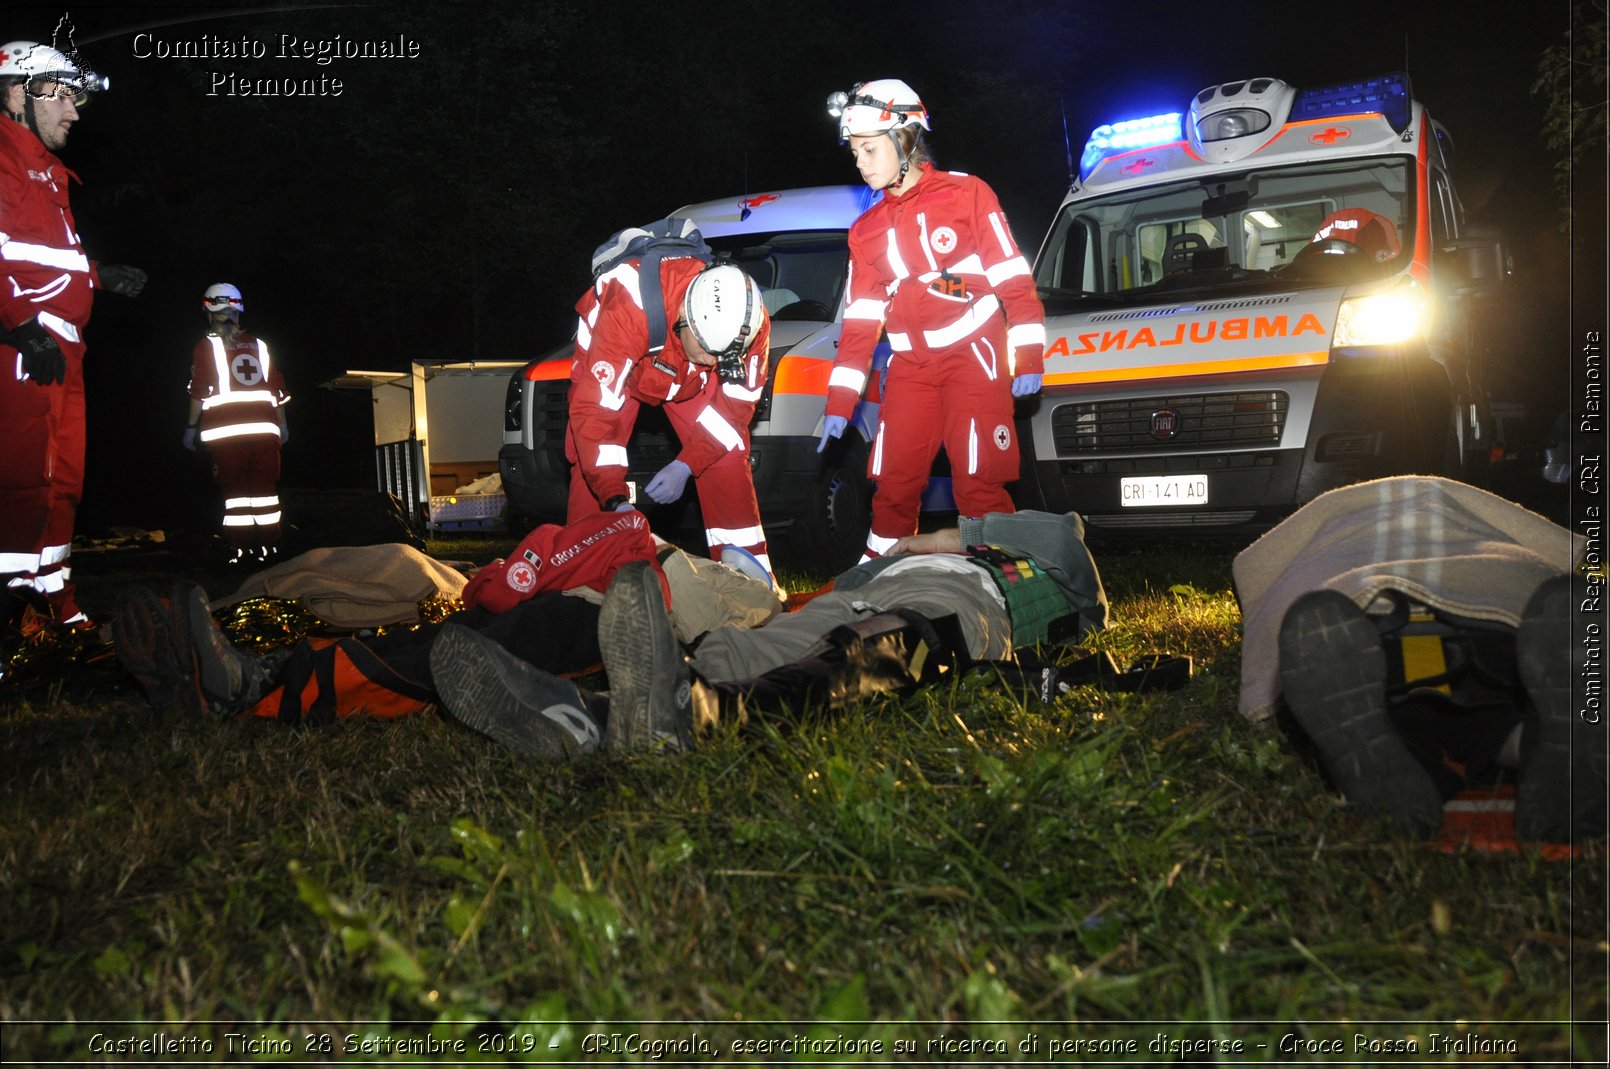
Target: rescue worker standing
[
  {"x": 46, "y": 293},
  {"x": 237, "y": 410},
  {"x": 708, "y": 377},
  {"x": 934, "y": 263}
]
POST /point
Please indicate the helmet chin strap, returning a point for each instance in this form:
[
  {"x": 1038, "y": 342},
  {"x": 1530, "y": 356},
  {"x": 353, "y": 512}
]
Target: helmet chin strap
[
  {"x": 26, "y": 118},
  {"x": 905, "y": 162}
]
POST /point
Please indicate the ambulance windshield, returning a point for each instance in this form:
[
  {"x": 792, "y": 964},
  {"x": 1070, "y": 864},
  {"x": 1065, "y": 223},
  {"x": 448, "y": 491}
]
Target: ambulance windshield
[
  {"x": 1238, "y": 230},
  {"x": 801, "y": 273}
]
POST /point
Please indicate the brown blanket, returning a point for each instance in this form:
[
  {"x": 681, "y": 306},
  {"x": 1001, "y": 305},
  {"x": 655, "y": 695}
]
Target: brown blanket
[
  {"x": 1445, "y": 545},
  {"x": 354, "y": 586}
]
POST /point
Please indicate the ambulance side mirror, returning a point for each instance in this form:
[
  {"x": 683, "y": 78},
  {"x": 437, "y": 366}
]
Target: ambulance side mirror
[{"x": 1480, "y": 263}]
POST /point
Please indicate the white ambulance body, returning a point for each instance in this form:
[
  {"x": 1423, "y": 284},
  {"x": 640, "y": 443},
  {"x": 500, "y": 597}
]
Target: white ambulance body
[
  {"x": 1210, "y": 364},
  {"x": 815, "y": 506}
]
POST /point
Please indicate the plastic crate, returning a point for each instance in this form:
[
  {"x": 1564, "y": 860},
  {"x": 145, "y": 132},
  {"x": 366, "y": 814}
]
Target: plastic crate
[{"x": 467, "y": 512}]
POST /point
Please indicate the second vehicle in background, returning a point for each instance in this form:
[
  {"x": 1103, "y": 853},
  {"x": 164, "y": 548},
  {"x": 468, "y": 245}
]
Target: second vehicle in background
[{"x": 815, "y": 507}]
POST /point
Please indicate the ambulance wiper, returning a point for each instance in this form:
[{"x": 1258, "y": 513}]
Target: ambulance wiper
[{"x": 1051, "y": 292}]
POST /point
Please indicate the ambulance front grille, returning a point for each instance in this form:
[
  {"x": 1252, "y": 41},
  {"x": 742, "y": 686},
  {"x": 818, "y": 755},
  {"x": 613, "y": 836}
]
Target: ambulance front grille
[
  {"x": 1143, "y": 519},
  {"x": 1186, "y": 422}
]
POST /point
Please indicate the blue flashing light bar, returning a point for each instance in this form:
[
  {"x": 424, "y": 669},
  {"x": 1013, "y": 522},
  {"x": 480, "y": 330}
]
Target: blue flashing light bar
[
  {"x": 1388, "y": 94},
  {"x": 1112, "y": 139}
]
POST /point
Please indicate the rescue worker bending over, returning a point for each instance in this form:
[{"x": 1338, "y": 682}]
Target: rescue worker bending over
[
  {"x": 934, "y": 264},
  {"x": 237, "y": 410},
  {"x": 708, "y": 376}
]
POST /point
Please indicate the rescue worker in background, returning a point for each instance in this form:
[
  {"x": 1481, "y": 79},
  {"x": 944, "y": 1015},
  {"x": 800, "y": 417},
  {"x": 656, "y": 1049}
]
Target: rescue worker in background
[
  {"x": 934, "y": 264},
  {"x": 47, "y": 285},
  {"x": 237, "y": 410},
  {"x": 708, "y": 378}
]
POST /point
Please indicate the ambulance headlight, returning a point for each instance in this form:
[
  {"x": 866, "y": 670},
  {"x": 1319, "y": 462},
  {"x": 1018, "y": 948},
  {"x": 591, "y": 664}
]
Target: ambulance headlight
[
  {"x": 1390, "y": 318},
  {"x": 1223, "y": 125}
]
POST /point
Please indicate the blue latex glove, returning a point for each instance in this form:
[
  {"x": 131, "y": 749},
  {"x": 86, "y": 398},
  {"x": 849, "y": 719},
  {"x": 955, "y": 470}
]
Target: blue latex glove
[
  {"x": 668, "y": 485},
  {"x": 625, "y": 506},
  {"x": 832, "y": 427},
  {"x": 191, "y": 437},
  {"x": 1024, "y": 385}
]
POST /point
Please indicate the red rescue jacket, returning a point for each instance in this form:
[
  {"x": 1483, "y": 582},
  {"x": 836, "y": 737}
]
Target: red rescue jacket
[{"x": 938, "y": 267}]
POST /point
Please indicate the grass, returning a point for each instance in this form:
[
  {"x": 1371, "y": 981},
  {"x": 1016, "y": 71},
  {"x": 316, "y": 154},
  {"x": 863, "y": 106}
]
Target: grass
[{"x": 930, "y": 877}]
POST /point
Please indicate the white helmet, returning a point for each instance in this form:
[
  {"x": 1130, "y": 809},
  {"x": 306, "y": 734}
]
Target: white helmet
[
  {"x": 30, "y": 59},
  {"x": 221, "y": 295},
  {"x": 723, "y": 308},
  {"x": 876, "y": 107}
]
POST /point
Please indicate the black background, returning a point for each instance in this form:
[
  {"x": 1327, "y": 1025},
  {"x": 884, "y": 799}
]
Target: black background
[{"x": 445, "y": 206}]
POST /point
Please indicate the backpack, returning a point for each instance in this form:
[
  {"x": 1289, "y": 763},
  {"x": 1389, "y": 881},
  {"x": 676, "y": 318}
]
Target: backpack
[{"x": 666, "y": 239}]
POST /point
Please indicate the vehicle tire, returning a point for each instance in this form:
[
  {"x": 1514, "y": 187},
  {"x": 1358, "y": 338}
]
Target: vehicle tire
[{"x": 830, "y": 534}]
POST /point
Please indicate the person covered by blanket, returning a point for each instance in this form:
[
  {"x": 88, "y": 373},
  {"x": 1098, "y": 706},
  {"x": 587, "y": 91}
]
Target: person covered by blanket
[{"x": 1420, "y": 633}]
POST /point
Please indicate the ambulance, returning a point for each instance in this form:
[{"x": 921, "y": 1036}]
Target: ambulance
[
  {"x": 1269, "y": 295},
  {"x": 816, "y": 507}
]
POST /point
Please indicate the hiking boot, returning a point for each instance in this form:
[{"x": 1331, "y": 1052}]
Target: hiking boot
[
  {"x": 650, "y": 686},
  {"x": 485, "y": 687},
  {"x": 1560, "y": 796},
  {"x": 1333, "y": 675},
  {"x": 142, "y": 635},
  {"x": 230, "y": 678}
]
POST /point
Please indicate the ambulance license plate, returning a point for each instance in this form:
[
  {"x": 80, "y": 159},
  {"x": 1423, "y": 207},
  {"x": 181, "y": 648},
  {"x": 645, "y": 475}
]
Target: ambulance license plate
[{"x": 1153, "y": 490}]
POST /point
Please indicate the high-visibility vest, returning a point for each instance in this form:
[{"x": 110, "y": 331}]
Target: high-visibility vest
[{"x": 240, "y": 408}]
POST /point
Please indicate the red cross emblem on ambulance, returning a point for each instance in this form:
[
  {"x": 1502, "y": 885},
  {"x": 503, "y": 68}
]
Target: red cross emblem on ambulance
[{"x": 1330, "y": 135}]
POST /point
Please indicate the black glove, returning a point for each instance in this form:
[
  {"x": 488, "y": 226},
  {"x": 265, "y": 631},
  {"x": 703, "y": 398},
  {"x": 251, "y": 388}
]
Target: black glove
[
  {"x": 122, "y": 279},
  {"x": 42, "y": 358}
]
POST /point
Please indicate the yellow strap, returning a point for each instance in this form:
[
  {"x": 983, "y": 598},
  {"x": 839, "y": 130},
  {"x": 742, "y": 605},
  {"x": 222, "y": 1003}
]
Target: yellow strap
[{"x": 1423, "y": 658}]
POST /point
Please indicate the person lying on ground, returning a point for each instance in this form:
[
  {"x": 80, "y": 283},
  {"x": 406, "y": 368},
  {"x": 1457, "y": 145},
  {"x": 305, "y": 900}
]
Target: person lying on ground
[
  {"x": 540, "y": 604},
  {"x": 1420, "y": 632},
  {"x": 973, "y": 593}
]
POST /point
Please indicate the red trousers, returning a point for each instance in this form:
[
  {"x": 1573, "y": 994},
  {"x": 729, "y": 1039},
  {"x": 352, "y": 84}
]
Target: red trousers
[
  {"x": 963, "y": 401},
  {"x": 41, "y": 478},
  {"x": 248, "y": 473},
  {"x": 726, "y": 488}
]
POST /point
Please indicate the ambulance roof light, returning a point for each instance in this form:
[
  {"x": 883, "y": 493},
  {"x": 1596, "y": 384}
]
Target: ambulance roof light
[
  {"x": 1388, "y": 94},
  {"x": 1112, "y": 139}
]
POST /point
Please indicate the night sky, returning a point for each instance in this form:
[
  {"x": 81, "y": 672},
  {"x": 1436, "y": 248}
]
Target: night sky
[{"x": 444, "y": 206}]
